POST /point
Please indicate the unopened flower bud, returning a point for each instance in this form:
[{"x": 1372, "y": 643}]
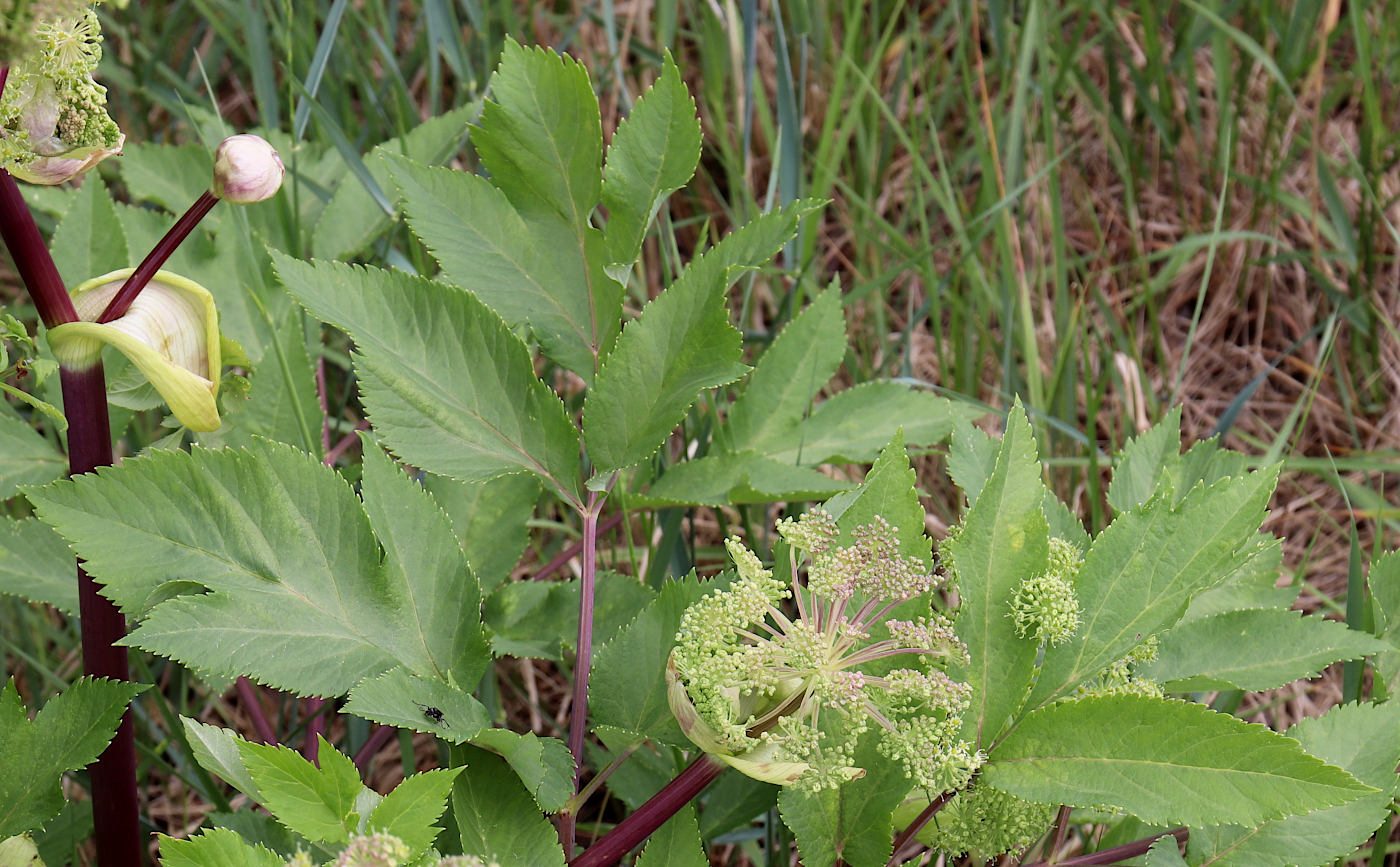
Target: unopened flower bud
[{"x": 246, "y": 170}]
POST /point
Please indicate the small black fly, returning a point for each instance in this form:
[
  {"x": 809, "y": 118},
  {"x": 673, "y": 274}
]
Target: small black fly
[{"x": 433, "y": 715}]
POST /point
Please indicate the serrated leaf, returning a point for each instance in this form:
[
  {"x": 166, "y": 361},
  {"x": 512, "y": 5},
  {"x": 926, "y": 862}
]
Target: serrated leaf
[
  {"x": 352, "y": 219},
  {"x": 35, "y": 563},
  {"x": 1384, "y": 583},
  {"x": 170, "y": 176},
  {"x": 652, "y": 154},
  {"x": 282, "y": 403},
  {"x": 972, "y": 457},
  {"x": 69, "y": 732},
  {"x": 682, "y": 343},
  {"x": 399, "y": 699},
  {"x": 89, "y": 241},
  {"x": 716, "y": 480},
  {"x": 409, "y": 811},
  {"x": 676, "y": 843},
  {"x": 1165, "y": 851},
  {"x": 525, "y": 270},
  {"x": 1253, "y": 649},
  {"x": 850, "y": 823},
  {"x": 216, "y": 847},
  {"x": 489, "y": 519},
  {"x": 496, "y": 816},
  {"x": 1003, "y": 540},
  {"x": 1166, "y": 762},
  {"x": 1253, "y": 583},
  {"x": 216, "y": 750},
  {"x": 288, "y": 553},
  {"x": 317, "y": 803},
  {"x": 854, "y": 424},
  {"x": 1143, "y": 461},
  {"x": 448, "y": 387},
  {"x": 789, "y": 373},
  {"x": 537, "y": 619},
  {"x": 26, "y": 458},
  {"x": 628, "y": 687},
  {"x": 1361, "y": 739},
  {"x": 544, "y": 765},
  {"x": 1145, "y": 567}
]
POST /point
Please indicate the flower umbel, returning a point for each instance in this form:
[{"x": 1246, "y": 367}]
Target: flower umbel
[{"x": 784, "y": 696}]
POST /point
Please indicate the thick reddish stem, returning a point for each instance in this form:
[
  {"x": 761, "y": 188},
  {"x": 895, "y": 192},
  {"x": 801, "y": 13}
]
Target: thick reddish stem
[
  {"x": 917, "y": 825},
  {"x": 578, "y": 710},
  {"x": 630, "y": 832},
  {"x": 32, "y": 259},
  {"x": 159, "y": 253},
  {"x": 1117, "y": 853}
]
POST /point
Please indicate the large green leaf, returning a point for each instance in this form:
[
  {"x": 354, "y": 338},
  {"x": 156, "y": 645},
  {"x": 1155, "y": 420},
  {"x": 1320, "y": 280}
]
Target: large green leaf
[
  {"x": 69, "y": 732},
  {"x": 288, "y": 554},
  {"x": 1143, "y": 460},
  {"x": 787, "y": 376},
  {"x": 409, "y": 811},
  {"x": 850, "y": 823},
  {"x": 1166, "y": 762},
  {"x": 424, "y": 704},
  {"x": 1363, "y": 740},
  {"x": 26, "y": 458},
  {"x": 35, "y": 563},
  {"x": 496, "y": 817},
  {"x": 1003, "y": 540},
  {"x": 489, "y": 519},
  {"x": 652, "y": 154},
  {"x": 282, "y": 403},
  {"x": 676, "y": 843},
  {"x": 544, "y": 765},
  {"x": 853, "y": 425},
  {"x": 352, "y": 219},
  {"x": 216, "y": 847},
  {"x": 1143, "y": 570},
  {"x": 1253, "y": 649},
  {"x": 448, "y": 386},
  {"x": 315, "y": 800},
  {"x": 716, "y": 480}
]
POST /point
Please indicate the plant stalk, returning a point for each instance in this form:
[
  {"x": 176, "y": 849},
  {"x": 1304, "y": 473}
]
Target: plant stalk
[
  {"x": 578, "y": 710},
  {"x": 1117, "y": 853},
  {"x": 916, "y": 826},
  {"x": 121, "y": 302},
  {"x": 630, "y": 832},
  {"x": 112, "y": 778}
]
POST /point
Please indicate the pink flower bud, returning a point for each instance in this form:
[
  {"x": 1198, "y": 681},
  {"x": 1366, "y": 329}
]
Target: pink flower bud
[{"x": 246, "y": 170}]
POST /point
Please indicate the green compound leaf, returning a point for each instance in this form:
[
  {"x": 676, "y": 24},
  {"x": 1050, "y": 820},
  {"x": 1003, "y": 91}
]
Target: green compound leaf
[
  {"x": 496, "y": 817},
  {"x": 317, "y": 803},
  {"x": 1166, "y": 762},
  {"x": 788, "y": 375},
  {"x": 853, "y": 425},
  {"x": 1003, "y": 540},
  {"x": 851, "y": 822},
  {"x": 35, "y": 564},
  {"x": 652, "y": 154},
  {"x": 1361, "y": 739},
  {"x": 423, "y": 704},
  {"x": 1142, "y": 571},
  {"x": 544, "y": 765},
  {"x": 448, "y": 386},
  {"x": 489, "y": 519},
  {"x": 216, "y": 847},
  {"x": 26, "y": 458},
  {"x": 1253, "y": 649},
  {"x": 68, "y": 733},
  {"x": 288, "y": 553},
  {"x": 676, "y": 843},
  {"x": 409, "y": 811},
  {"x": 628, "y": 686},
  {"x": 1143, "y": 460}
]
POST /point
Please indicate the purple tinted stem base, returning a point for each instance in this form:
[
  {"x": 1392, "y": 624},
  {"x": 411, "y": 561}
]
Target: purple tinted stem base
[{"x": 630, "y": 832}]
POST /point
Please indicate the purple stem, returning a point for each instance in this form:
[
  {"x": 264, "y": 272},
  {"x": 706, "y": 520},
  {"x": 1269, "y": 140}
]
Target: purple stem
[
  {"x": 115, "y": 800},
  {"x": 1117, "y": 853},
  {"x": 573, "y": 550},
  {"x": 578, "y": 710},
  {"x": 630, "y": 832},
  {"x": 916, "y": 826},
  {"x": 249, "y": 695},
  {"x": 159, "y": 253},
  {"x": 375, "y": 742}
]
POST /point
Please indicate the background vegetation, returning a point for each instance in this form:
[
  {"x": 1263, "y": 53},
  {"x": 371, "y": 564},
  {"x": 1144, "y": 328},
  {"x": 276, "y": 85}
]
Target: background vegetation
[{"x": 1105, "y": 208}]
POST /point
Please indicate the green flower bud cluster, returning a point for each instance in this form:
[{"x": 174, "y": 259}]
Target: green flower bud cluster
[
  {"x": 785, "y": 695},
  {"x": 983, "y": 822},
  {"x": 1119, "y": 677},
  {"x": 53, "y": 115},
  {"x": 1045, "y": 607}
]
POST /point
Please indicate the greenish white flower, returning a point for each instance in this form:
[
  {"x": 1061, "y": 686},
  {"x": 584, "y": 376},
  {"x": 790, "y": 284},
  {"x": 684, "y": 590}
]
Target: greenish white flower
[
  {"x": 53, "y": 116},
  {"x": 785, "y": 695},
  {"x": 170, "y": 332}
]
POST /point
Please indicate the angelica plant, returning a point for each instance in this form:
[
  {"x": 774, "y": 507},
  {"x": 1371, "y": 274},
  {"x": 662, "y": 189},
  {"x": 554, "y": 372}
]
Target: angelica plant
[{"x": 785, "y": 696}]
